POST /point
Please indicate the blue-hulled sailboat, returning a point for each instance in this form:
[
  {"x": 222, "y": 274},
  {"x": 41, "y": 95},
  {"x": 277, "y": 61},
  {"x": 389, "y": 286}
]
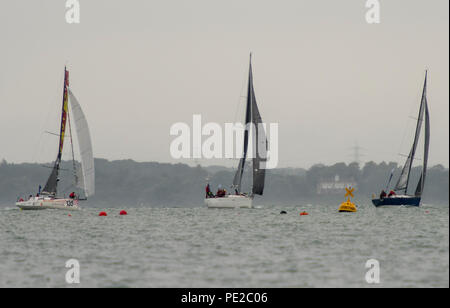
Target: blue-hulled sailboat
[{"x": 401, "y": 196}]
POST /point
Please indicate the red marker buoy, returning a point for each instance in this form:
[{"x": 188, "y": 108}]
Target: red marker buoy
[
  {"x": 304, "y": 214},
  {"x": 123, "y": 212},
  {"x": 69, "y": 215},
  {"x": 102, "y": 214}
]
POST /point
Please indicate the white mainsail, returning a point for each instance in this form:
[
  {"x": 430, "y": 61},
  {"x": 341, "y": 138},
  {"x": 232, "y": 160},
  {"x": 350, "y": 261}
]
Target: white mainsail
[{"x": 85, "y": 146}]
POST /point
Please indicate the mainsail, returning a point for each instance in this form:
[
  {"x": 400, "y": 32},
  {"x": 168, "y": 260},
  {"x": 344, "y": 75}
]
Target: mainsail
[
  {"x": 419, "y": 189},
  {"x": 52, "y": 182},
  {"x": 84, "y": 143},
  {"x": 85, "y": 147},
  {"x": 403, "y": 181},
  {"x": 253, "y": 121},
  {"x": 260, "y": 142}
]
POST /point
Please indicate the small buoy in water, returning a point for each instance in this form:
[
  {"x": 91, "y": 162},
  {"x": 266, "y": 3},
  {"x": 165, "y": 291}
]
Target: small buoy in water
[
  {"x": 427, "y": 212},
  {"x": 102, "y": 214},
  {"x": 283, "y": 212},
  {"x": 69, "y": 215},
  {"x": 304, "y": 213},
  {"x": 123, "y": 212},
  {"x": 347, "y": 207}
]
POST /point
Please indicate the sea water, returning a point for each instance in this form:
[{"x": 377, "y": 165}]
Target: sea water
[{"x": 200, "y": 247}]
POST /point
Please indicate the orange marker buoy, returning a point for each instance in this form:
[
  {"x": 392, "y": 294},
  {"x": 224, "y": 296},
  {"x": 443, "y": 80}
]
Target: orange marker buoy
[
  {"x": 304, "y": 214},
  {"x": 123, "y": 212},
  {"x": 102, "y": 214}
]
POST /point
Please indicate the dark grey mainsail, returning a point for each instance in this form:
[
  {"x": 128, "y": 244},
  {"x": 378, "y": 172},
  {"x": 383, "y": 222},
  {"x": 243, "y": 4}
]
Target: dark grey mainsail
[
  {"x": 419, "y": 189},
  {"x": 260, "y": 149},
  {"x": 253, "y": 121},
  {"x": 403, "y": 181}
]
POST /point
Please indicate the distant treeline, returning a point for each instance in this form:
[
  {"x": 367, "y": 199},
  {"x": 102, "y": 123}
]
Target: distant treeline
[{"x": 129, "y": 183}]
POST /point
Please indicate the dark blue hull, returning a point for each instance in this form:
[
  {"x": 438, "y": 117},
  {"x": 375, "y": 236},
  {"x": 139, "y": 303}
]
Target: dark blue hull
[{"x": 405, "y": 201}]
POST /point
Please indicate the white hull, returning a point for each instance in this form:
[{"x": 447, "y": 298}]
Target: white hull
[
  {"x": 230, "y": 202},
  {"x": 36, "y": 203}
]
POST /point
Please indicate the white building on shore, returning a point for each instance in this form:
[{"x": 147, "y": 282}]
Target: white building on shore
[{"x": 336, "y": 186}]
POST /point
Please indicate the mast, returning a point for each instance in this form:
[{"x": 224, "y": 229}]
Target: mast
[
  {"x": 52, "y": 182},
  {"x": 403, "y": 181}
]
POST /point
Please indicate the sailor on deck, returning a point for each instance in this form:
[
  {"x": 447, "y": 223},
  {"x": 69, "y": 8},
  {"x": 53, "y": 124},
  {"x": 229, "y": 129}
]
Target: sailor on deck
[
  {"x": 221, "y": 192},
  {"x": 391, "y": 193},
  {"x": 209, "y": 193}
]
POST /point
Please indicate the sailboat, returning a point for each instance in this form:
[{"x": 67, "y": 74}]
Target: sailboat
[
  {"x": 401, "y": 196},
  {"x": 48, "y": 198},
  {"x": 253, "y": 122}
]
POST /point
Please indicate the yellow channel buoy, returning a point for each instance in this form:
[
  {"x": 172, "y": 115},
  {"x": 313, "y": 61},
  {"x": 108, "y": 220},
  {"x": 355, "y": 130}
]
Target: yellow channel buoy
[{"x": 348, "y": 206}]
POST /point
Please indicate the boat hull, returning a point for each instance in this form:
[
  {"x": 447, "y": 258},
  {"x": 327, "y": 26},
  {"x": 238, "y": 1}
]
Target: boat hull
[
  {"x": 230, "y": 202},
  {"x": 397, "y": 201},
  {"x": 36, "y": 204}
]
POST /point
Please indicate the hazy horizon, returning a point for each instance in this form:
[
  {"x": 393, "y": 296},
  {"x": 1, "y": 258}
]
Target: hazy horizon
[{"x": 326, "y": 76}]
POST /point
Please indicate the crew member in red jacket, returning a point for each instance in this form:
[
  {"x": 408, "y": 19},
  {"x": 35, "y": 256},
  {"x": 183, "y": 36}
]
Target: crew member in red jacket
[{"x": 209, "y": 193}]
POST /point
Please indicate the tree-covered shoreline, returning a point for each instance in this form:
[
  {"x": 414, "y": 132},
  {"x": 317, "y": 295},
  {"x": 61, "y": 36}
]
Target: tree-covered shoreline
[{"x": 129, "y": 183}]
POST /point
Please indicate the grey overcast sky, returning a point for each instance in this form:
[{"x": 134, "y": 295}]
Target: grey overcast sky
[{"x": 326, "y": 76}]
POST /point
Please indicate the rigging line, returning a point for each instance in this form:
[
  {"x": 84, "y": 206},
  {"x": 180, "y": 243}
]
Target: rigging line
[
  {"x": 416, "y": 119},
  {"x": 51, "y": 167},
  {"x": 239, "y": 103},
  {"x": 412, "y": 114},
  {"x": 58, "y": 135},
  {"x": 403, "y": 155},
  {"x": 67, "y": 189}
]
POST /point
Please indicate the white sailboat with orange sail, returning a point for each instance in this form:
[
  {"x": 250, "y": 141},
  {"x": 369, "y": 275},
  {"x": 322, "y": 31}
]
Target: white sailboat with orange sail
[{"x": 84, "y": 177}]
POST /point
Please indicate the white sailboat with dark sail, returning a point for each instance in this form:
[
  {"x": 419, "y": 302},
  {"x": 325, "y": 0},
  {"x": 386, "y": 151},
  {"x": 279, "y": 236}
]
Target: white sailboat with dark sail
[
  {"x": 84, "y": 177},
  {"x": 401, "y": 195},
  {"x": 254, "y": 126}
]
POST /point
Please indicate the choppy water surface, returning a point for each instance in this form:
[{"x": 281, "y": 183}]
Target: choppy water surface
[{"x": 198, "y": 247}]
